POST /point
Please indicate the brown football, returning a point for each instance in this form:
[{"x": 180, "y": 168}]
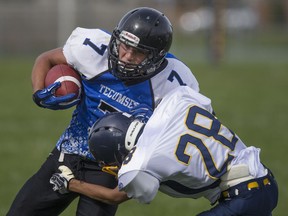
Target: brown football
[{"x": 69, "y": 78}]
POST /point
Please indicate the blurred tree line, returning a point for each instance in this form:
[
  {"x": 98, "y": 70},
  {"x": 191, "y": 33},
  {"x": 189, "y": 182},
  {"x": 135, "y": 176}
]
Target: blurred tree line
[{"x": 31, "y": 26}]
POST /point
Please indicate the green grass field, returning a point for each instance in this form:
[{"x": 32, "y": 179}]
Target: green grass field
[{"x": 249, "y": 96}]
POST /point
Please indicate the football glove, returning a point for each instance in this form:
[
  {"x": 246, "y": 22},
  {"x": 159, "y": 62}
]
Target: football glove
[
  {"x": 142, "y": 112},
  {"x": 60, "y": 181},
  {"x": 45, "y": 98}
]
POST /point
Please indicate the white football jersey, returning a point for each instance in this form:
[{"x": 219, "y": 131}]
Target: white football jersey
[{"x": 183, "y": 151}]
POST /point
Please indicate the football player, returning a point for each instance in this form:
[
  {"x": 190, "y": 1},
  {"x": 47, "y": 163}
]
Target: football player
[
  {"x": 130, "y": 71},
  {"x": 183, "y": 151}
]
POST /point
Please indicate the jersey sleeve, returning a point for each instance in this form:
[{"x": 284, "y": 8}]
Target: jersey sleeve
[
  {"x": 175, "y": 74},
  {"x": 139, "y": 185},
  {"x": 181, "y": 73},
  {"x": 86, "y": 51}
]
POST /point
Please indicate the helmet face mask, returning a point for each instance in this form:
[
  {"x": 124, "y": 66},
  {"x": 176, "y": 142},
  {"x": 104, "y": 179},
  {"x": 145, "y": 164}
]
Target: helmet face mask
[
  {"x": 146, "y": 30},
  {"x": 129, "y": 71}
]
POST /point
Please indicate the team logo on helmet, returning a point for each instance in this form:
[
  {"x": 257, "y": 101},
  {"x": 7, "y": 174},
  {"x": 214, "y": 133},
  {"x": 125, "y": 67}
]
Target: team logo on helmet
[{"x": 132, "y": 39}]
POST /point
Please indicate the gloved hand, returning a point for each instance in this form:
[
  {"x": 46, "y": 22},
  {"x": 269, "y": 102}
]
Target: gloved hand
[
  {"x": 142, "y": 112},
  {"x": 60, "y": 181},
  {"x": 45, "y": 98}
]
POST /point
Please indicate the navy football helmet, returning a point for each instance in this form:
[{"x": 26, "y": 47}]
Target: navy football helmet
[
  {"x": 113, "y": 136},
  {"x": 147, "y": 30}
]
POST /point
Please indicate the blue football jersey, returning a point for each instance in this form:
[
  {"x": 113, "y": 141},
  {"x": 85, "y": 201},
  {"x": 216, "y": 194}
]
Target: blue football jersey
[{"x": 86, "y": 51}]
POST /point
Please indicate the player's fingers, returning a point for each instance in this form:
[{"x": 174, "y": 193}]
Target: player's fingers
[
  {"x": 60, "y": 99},
  {"x": 66, "y": 98},
  {"x": 53, "y": 86}
]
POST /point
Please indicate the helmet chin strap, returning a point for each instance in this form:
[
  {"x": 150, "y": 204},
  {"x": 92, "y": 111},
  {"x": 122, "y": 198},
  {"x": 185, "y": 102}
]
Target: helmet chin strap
[{"x": 132, "y": 134}]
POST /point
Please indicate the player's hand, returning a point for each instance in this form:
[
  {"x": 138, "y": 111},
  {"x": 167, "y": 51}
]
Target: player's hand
[
  {"x": 45, "y": 98},
  {"x": 142, "y": 112},
  {"x": 60, "y": 181}
]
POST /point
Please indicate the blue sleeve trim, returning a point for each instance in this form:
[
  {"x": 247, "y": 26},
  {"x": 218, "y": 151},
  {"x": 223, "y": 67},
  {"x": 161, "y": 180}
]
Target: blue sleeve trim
[{"x": 170, "y": 55}]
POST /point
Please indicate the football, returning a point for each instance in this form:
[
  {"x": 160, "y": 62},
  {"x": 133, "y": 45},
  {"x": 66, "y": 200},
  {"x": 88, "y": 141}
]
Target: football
[{"x": 69, "y": 78}]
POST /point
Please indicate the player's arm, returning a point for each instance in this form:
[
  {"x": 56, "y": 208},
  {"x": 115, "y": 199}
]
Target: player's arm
[
  {"x": 65, "y": 181},
  {"x": 97, "y": 192},
  {"x": 44, "y": 96},
  {"x": 42, "y": 64}
]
